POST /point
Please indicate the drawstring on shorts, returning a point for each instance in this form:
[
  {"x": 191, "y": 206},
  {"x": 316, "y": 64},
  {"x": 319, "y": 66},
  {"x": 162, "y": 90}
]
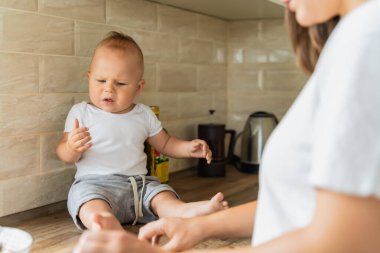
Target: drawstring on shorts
[{"x": 138, "y": 201}]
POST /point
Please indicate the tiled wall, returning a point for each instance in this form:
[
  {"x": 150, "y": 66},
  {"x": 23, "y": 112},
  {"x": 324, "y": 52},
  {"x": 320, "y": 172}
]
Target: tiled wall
[
  {"x": 191, "y": 61},
  {"x": 45, "y": 49},
  {"x": 262, "y": 74}
]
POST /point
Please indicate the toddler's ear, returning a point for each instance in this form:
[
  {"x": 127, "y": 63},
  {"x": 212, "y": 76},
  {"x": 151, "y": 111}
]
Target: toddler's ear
[
  {"x": 88, "y": 75},
  {"x": 141, "y": 84}
]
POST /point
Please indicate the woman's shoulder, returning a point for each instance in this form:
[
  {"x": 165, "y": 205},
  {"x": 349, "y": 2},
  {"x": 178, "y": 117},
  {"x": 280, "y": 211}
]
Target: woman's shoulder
[
  {"x": 354, "y": 43},
  {"x": 359, "y": 24}
]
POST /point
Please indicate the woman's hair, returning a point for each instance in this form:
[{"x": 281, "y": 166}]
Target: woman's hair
[{"x": 308, "y": 42}]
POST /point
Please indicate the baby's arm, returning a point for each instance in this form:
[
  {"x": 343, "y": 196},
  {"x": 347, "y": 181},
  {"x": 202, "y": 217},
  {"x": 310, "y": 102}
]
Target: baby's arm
[
  {"x": 73, "y": 144},
  {"x": 177, "y": 148}
]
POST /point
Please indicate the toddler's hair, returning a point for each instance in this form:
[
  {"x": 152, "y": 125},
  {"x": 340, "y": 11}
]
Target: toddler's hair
[{"x": 118, "y": 40}]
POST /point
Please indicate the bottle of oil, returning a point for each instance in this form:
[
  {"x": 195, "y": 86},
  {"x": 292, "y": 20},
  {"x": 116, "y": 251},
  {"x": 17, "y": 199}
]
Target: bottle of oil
[{"x": 157, "y": 163}]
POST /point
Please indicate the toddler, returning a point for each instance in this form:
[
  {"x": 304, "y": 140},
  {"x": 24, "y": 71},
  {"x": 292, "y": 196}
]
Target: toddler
[{"x": 105, "y": 139}]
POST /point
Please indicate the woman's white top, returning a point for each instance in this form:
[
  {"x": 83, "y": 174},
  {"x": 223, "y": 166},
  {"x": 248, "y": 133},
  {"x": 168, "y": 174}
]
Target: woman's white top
[
  {"x": 118, "y": 139},
  {"x": 330, "y": 137}
]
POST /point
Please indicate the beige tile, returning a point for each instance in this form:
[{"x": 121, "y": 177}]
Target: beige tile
[
  {"x": 241, "y": 78},
  {"x": 26, "y": 114},
  {"x": 20, "y": 156},
  {"x": 243, "y": 31},
  {"x": 235, "y": 54},
  {"x": 185, "y": 129},
  {"x": 172, "y": 127},
  {"x": 157, "y": 47},
  {"x": 276, "y": 102},
  {"x": 49, "y": 160},
  {"x": 220, "y": 53},
  {"x": 218, "y": 118},
  {"x": 251, "y": 55},
  {"x": 195, "y": 51},
  {"x": 150, "y": 77},
  {"x": 18, "y": 73},
  {"x": 212, "y": 78},
  {"x": 243, "y": 53},
  {"x": 132, "y": 13},
  {"x": 237, "y": 121},
  {"x": 24, "y": 193},
  {"x": 167, "y": 102},
  {"x": 79, "y": 97},
  {"x": 176, "y": 77},
  {"x": 212, "y": 28},
  {"x": 63, "y": 74},
  {"x": 281, "y": 55},
  {"x": 28, "y": 5},
  {"x": 176, "y": 21},
  {"x": 220, "y": 105},
  {"x": 88, "y": 35},
  {"x": 200, "y": 103},
  {"x": 284, "y": 80},
  {"x": 29, "y": 32},
  {"x": 274, "y": 32},
  {"x": 89, "y": 10}
]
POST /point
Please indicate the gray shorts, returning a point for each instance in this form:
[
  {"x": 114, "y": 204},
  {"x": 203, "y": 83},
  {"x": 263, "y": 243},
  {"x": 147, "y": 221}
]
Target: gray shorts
[{"x": 117, "y": 191}]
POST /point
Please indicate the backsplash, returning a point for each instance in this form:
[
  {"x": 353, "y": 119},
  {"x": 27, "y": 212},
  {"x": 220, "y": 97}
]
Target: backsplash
[
  {"x": 262, "y": 74},
  {"x": 192, "y": 63}
]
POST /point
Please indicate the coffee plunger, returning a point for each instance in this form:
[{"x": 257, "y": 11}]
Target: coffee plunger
[{"x": 214, "y": 135}]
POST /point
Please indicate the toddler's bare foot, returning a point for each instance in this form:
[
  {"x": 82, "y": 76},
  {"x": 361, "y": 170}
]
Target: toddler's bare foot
[
  {"x": 216, "y": 203},
  {"x": 105, "y": 221}
]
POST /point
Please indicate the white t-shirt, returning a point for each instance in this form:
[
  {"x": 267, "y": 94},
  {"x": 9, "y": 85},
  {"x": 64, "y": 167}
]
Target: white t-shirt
[
  {"x": 330, "y": 137},
  {"x": 118, "y": 139}
]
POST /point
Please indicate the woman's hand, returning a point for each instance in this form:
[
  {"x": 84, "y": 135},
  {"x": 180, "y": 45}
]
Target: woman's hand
[
  {"x": 112, "y": 241},
  {"x": 182, "y": 233},
  {"x": 79, "y": 138},
  {"x": 199, "y": 149}
]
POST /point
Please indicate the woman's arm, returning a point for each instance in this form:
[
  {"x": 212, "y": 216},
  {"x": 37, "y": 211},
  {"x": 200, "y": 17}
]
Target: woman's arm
[
  {"x": 342, "y": 224},
  {"x": 232, "y": 222},
  {"x": 186, "y": 233}
]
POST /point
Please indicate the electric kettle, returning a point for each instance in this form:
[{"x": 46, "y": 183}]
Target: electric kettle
[{"x": 255, "y": 134}]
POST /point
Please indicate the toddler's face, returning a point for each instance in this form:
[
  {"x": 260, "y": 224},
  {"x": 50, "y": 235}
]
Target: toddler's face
[{"x": 114, "y": 79}]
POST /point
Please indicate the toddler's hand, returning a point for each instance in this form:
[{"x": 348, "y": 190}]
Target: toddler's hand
[
  {"x": 200, "y": 149},
  {"x": 79, "y": 139}
]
